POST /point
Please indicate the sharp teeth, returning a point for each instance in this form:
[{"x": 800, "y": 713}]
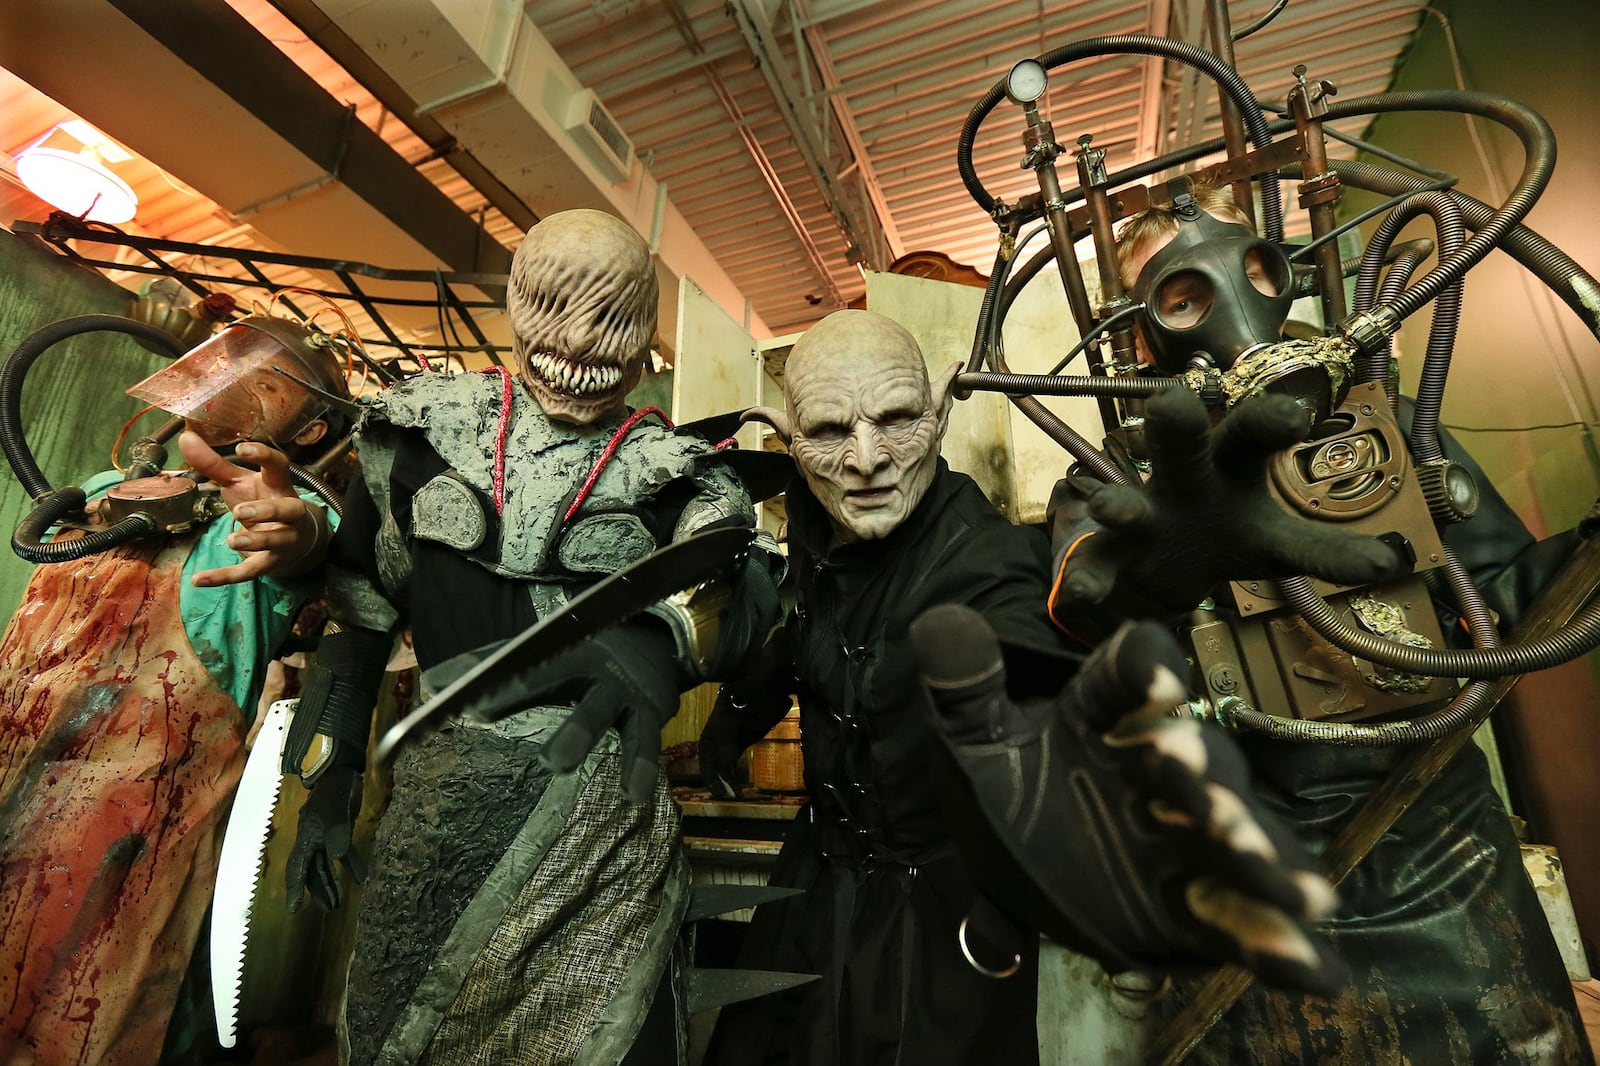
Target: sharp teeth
[{"x": 570, "y": 376}]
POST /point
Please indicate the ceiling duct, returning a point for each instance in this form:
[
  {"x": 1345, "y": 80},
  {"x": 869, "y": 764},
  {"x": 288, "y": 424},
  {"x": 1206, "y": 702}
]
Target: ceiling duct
[
  {"x": 599, "y": 135},
  {"x": 497, "y": 85}
]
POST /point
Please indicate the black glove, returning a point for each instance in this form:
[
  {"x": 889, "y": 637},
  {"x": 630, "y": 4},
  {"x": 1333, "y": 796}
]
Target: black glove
[
  {"x": 1109, "y": 825},
  {"x": 754, "y": 609},
  {"x": 1205, "y": 516},
  {"x": 721, "y": 746},
  {"x": 742, "y": 715},
  {"x": 625, "y": 676},
  {"x": 324, "y": 837}
]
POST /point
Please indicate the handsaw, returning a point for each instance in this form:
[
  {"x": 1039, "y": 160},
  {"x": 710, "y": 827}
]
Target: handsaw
[
  {"x": 680, "y": 565},
  {"x": 244, "y": 848}
]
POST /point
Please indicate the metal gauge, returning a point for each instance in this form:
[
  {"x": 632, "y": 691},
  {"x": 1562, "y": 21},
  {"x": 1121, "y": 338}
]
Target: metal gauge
[{"x": 1026, "y": 81}]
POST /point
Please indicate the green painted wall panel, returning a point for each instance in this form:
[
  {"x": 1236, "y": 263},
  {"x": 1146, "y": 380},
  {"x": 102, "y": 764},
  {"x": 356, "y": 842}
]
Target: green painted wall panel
[{"x": 73, "y": 402}]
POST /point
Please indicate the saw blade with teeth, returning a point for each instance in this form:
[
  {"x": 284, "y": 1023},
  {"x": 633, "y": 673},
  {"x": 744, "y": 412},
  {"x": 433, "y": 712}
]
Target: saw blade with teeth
[{"x": 244, "y": 848}]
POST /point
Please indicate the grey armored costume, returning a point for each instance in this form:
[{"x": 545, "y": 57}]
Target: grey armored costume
[{"x": 512, "y": 915}]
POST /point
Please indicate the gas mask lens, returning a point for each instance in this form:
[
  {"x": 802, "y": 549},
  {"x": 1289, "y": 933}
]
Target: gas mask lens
[
  {"x": 1184, "y": 300},
  {"x": 1268, "y": 272}
]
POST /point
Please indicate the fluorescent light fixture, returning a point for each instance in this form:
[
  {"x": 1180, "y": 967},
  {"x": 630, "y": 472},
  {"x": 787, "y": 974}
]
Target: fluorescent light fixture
[{"x": 66, "y": 168}]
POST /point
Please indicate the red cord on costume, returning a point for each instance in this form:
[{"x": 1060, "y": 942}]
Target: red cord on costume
[
  {"x": 605, "y": 456},
  {"x": 500, "y": 436}
]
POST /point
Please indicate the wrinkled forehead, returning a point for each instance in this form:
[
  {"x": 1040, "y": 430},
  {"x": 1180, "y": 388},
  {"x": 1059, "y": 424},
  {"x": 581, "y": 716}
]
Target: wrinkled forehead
[{"x": 852, "y": 354}]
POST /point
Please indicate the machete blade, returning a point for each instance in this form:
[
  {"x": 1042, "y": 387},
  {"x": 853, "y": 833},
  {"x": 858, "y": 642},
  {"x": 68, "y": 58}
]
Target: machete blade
[{"x": 680, "y": 565}]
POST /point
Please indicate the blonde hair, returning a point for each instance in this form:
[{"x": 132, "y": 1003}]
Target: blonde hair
[{"x": 1156, "y": 222}]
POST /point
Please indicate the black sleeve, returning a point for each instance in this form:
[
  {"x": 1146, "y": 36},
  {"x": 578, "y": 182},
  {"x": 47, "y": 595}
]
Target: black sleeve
[
  {"x": 352, "y": 547},
  {"x": 755, "y": 701}
]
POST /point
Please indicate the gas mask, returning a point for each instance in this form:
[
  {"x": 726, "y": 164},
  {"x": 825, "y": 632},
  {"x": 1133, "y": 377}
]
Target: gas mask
[
  {"x": 261, "y": 378},
  {"x": 1213, "y": 295},
  {"x": 582, "y": 305}
]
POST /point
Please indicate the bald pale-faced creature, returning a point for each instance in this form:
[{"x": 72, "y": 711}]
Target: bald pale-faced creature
[
  {"x": 582, "y": 305},
  {"x": 862, "y": 420}
]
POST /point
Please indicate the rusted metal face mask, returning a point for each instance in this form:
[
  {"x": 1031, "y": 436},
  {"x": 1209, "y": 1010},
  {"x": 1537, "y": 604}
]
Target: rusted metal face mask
[
  {"x": 866, "y": 423},
  {"x": 249, "y": 382},
  {"x": 582, "y": 305}
]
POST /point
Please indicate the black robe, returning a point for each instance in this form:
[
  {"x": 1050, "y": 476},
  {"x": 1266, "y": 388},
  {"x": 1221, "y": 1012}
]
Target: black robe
[{"x": 886, "y": 891}]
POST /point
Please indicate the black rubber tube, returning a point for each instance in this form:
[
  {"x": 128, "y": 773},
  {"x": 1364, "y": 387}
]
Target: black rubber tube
[
  {"x": 1446, "y": 213},
  {"x": 12, "y": 441},
  {"x": 1134, "y": 44},
  {"x": 1578, "y": 637},
  {"x": 1131, "y": 387},
  {"x": 1538, "y": 140},
  {"x": 1459, "y": 713},
  {"x": 1560, "y": 273},
  {"x": 55, "y": 505}
]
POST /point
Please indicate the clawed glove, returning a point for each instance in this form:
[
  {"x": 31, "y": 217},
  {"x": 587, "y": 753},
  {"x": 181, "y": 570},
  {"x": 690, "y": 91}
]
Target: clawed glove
[
  {"x": 1109, "y": 825},
  {"x": 1205, "y": 516},
  {"x": 625, "y": 676},
  {"x": 327, "y": 822},
  {"x": 721, "y": 746}
]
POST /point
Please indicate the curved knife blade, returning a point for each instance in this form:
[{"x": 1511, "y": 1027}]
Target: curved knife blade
[
  {"x": 678, "y": 566},
  {"x": 244, "y": 848}
]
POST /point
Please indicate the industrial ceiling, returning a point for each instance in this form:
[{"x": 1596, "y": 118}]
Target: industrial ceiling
[{"x": 772, "y": 150}]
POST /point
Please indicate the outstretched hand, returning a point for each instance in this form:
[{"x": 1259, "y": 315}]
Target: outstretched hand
[
  {"x": 1102, "y": 821},
  {"x": 280, "y": 534},
  {"x": 1205, "y": 516}
]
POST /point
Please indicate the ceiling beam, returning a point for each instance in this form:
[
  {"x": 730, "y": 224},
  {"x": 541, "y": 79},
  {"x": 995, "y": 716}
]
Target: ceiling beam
[
  {"x": 810, "y": 138},
  {"x": 833, "y": 87},
  {"x": 328, "y": 35},
  {"x": 215, "y": 42},
  {"x": 769, "y": 173},
  {"x": 1152, "y": 94}
]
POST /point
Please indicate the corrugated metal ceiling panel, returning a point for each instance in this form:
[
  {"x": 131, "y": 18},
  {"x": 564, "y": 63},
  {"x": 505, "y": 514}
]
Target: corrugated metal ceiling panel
[{"x": 887, "y": 85}]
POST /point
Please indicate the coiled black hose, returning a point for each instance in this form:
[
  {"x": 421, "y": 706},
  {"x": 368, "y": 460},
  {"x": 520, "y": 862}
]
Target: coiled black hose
[
  {"x": 1559, "y": 272},
  {"x": 1135, "y": 44},
  {"x": 35, "y": 344},
  {"x": 1424, "y": 436},
  {"x": 1139, "y": 387},
  {"x": 1459, "y": 713},
  {"x": 1579, "y": 636},
  {"x": 55, "y": 505},
  {"x": 52, "y": 505},
  {"x": 306, "y": 479},
  {"x": 1538, "y": 140}
]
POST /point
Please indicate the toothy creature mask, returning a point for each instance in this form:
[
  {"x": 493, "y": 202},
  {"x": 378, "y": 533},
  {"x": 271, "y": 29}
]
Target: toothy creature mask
[
  {"x": 582, "y": 305},
  {"x": 862, "y": 420}
]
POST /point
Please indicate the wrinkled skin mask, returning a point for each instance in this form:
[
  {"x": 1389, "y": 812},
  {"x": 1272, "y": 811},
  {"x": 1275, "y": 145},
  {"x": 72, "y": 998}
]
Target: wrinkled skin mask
[
  {"x": 582, "y": 304},
  {"x": 866, "y": 424}
]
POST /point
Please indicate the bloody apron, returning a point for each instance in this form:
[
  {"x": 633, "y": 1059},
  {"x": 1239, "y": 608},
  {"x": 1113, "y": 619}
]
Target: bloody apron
[{"x": 118, "y": 754}]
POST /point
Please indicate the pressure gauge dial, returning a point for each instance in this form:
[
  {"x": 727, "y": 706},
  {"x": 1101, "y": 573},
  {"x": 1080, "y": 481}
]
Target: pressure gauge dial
[{"x": 1026, "y": 81}]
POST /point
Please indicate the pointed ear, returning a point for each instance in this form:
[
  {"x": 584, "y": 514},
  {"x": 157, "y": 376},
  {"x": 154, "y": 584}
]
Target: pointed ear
[
  {"x": 940, "y": 388},
  {"x": 772, "y": 416}
]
